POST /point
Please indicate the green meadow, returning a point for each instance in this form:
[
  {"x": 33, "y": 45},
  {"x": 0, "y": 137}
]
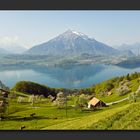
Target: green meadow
[{"x": 46, "y": 115}]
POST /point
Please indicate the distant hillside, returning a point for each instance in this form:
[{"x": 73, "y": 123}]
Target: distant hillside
[
  {"x": 3, "y": 86},
  {"x": 3, "y": 51},
  {"x": 133, "y": 62},
  {"x": 33, "y": 88},
  {"x": 128, "y": 119},
  {"x": 13, "y": 48},
  {"x": 134, "y": 48}
]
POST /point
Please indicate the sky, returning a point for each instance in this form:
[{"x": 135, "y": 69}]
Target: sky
[{"x": 29, "y": 28}]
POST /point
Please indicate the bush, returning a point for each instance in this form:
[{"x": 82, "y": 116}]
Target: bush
[
  {"x": 138, "y": 93},
  {"x": 122, "y": 90},
  {"x": 3, "y": 106},
  {"x": 109, "y": 86},
  {"x": 132, "y": 97}
]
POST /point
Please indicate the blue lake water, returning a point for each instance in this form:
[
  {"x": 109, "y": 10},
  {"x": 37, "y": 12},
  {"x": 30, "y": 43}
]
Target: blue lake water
[{"x": 78, "y": 76}]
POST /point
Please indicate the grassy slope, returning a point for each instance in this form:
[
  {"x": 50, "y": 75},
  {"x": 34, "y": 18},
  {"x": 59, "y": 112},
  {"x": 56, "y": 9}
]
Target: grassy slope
[
  {"x": 80, "y": 123},
  {"x": 46, "y": 114},
  {"x": 126, "y": 119},
  {"x": 49, "y": 117}
]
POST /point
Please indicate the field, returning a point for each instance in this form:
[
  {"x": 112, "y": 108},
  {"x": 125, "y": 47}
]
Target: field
[
  {"x": 48, "y": 116},
  {"x": 43, "y": 114}
]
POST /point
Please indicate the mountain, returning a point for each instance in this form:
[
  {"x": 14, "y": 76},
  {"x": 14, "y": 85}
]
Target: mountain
[
  {"x": 132, "y": 62},
  {"x": 72, "y": 43},
  {"x": 3, "y": 51},
  {"x": 134, "y": 48},
  {"x": 3, "y": 86},
  {"x": 127, "y": 53},
  {"x": 13, "y": 48}
]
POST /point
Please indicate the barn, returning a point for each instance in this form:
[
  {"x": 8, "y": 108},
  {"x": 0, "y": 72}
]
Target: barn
[{"x": 94, "y": 102}]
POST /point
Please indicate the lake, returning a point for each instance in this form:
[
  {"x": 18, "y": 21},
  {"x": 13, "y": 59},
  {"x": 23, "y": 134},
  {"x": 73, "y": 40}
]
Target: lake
[{"x": 76, "y": 76}]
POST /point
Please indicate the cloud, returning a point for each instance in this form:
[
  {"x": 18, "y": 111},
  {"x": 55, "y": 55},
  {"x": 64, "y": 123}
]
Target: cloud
[{"x": 9, "y": 40}]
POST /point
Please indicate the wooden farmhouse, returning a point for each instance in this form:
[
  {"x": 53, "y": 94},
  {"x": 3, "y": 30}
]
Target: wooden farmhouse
[{"x": 94, "y": 102}]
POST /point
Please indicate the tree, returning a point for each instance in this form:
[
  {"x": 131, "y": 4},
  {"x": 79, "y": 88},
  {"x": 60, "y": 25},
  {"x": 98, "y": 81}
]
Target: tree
[
  {"x": 81, "y": 101},
  {"x": 138, "y": 93},
  {"x": 128, "y": 77},
  {"x": 60, "y": 100},
  {"x": 20, "y": 99},
  {"x": 132, "y": 97},
  {"x": 33, "y": 88},
  {"x": 109, "y": 86},
  {"x": 32, "y": 99},
  {"x": 3, "y": 105},
  {"x": 122, "y": 90},
  {"x": 134, "y": 75}
]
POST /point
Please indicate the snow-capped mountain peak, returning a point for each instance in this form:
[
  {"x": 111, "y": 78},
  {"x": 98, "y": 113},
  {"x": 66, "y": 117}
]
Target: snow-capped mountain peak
[
  {"x": 77, "y": 33},
  {"x": 73, "y": 34}
]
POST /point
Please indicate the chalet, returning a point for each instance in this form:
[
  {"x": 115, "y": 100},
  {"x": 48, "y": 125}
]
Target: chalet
[
  {"x": 94, "y": 102},
  {"x": 4, "y": 93}
]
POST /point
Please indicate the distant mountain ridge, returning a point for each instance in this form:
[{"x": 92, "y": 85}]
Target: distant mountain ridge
[
  {"x": 72, "y": 43},
  {"x": 13, "y": 48},
  {"x": 134, "y": 48},
  {"x": 3, "y": 51}
]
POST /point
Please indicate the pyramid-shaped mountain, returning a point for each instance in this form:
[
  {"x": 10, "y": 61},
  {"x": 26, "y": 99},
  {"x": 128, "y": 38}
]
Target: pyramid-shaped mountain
[{"x": 72, "y": 43}]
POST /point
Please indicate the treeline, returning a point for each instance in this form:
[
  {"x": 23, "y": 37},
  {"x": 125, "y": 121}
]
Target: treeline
[
  {"x": 29, "y": 87},
  {"x": 100, "y": 89},
  {"x": 105, "y": 86}
]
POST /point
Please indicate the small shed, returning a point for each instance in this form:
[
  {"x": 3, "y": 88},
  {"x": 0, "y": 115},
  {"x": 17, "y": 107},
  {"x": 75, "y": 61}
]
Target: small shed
[
  {"x": 94, "y": 102},
  {"x": 109, "y": 93}
]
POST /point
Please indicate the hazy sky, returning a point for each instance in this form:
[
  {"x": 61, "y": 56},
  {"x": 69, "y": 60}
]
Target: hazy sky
[{"x": 30, "y": 28}]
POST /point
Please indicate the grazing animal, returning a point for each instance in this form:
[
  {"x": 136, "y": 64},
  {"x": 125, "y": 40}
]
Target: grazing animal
[
  {"x": 24, "y": 118},
  {"x": 1, "y": 118},
  {"x": 32, "y": 115},
  {"x": 22, "y": 127}
]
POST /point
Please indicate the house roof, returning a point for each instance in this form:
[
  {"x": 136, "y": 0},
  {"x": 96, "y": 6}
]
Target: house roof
[
  {"x": 4, "y": 90},
  {"x": 93, "y": 101}
]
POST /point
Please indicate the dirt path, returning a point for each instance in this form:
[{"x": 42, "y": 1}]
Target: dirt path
[{"x": 118, "y": 101}]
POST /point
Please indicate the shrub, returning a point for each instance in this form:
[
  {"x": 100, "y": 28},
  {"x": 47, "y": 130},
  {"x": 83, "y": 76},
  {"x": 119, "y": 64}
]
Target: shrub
[
  {"x": 122, "y": 90},
  {"x": 109, "y": 86},
  {"x": 132, "y": 97}
]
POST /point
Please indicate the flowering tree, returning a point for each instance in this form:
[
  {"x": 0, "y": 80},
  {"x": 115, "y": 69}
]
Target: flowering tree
[
  {"x": 132, "y": 97},
  {"x": 60, "y": 100},
  {"x": 81, "y": 101}
]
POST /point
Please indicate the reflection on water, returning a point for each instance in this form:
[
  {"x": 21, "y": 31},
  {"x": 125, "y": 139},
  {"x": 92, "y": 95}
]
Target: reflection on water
[{"x": 78, "y": 76}]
